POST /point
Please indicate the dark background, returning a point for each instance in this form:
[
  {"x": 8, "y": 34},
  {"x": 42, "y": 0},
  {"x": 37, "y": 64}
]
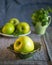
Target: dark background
[{"x": 21, "y": 9}]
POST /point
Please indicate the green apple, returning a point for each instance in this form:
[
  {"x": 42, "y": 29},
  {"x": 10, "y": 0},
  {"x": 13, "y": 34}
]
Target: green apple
[
  {"x": 24, "y": 44},
  {"x": 14, "y": 21},
  {"x": 8, "y": 28},
  {"x": 23, "y": 27}
]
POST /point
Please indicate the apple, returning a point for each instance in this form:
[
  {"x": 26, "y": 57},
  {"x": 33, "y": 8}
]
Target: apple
[
  {"x": 23, "y": 27},
  {"x": 8, "y": 28},
  {"x": 14, "y": 21},
  {"x": 24, "y": 44}
]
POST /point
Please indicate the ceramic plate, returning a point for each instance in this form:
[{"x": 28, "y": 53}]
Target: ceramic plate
[
  {"x": 25, "y": 55},
  {"x": 14, "y": 35}
]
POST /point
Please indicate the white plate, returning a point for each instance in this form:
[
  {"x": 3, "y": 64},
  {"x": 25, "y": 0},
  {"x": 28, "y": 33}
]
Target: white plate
[{"x": 14, "y": 35}]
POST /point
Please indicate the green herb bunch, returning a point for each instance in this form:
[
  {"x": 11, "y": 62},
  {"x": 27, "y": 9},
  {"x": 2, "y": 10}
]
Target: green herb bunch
[{"x": 41, "y": 16}]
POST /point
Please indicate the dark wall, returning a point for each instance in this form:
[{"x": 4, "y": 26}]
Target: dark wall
[{"x": 21, "y": 9}]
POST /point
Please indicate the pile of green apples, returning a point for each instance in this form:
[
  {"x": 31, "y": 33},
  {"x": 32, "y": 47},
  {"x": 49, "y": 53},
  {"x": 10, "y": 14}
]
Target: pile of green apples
[
  {"x": 16, "y": 27},
  {"x": 23, "y": 44}
]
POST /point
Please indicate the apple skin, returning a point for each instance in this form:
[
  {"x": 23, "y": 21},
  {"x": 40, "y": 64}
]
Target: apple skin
[
  {"x": 14, "y": 21},
  {"x": 23, "y": 27},
  {"x": 24, "y": 44},
  {"x": 8, "y": 28}
]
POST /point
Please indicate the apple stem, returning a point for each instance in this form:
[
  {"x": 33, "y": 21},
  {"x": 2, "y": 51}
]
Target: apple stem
[{"x": 18, "y": 43}]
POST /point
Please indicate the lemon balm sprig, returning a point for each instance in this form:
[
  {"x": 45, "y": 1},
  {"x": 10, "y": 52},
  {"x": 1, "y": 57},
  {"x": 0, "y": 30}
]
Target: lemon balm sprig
[{"x": 41, "y": 15}]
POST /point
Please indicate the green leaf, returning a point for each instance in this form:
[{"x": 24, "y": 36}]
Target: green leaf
[{"x": 49, "y": 10}]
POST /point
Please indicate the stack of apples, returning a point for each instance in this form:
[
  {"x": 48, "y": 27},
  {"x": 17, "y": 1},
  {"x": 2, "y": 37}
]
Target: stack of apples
[{"x": 14, "y": 25}]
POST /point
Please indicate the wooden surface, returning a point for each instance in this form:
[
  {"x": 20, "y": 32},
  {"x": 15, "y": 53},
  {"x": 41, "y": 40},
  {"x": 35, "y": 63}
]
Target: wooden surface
[{"x": 7, "y": 57}]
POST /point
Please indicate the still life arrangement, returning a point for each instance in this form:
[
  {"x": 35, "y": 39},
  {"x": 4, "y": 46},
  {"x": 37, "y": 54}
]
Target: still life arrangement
[
  {"x": 24, "y": 46},
  {"x": 14, "y": 28}
]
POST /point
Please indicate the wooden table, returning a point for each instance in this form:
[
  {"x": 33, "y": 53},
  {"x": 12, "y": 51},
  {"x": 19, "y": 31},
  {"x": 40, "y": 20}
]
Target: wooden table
[{"x": 39, "y": 58}]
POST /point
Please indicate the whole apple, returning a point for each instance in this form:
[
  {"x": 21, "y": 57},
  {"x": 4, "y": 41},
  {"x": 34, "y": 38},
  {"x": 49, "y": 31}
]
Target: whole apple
[
  {"x": 8, "y": 28},
  {"x": 23, "y": 27},
  {"x": 14, "y": 21},
  {"x": 24, "y": 44}
]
